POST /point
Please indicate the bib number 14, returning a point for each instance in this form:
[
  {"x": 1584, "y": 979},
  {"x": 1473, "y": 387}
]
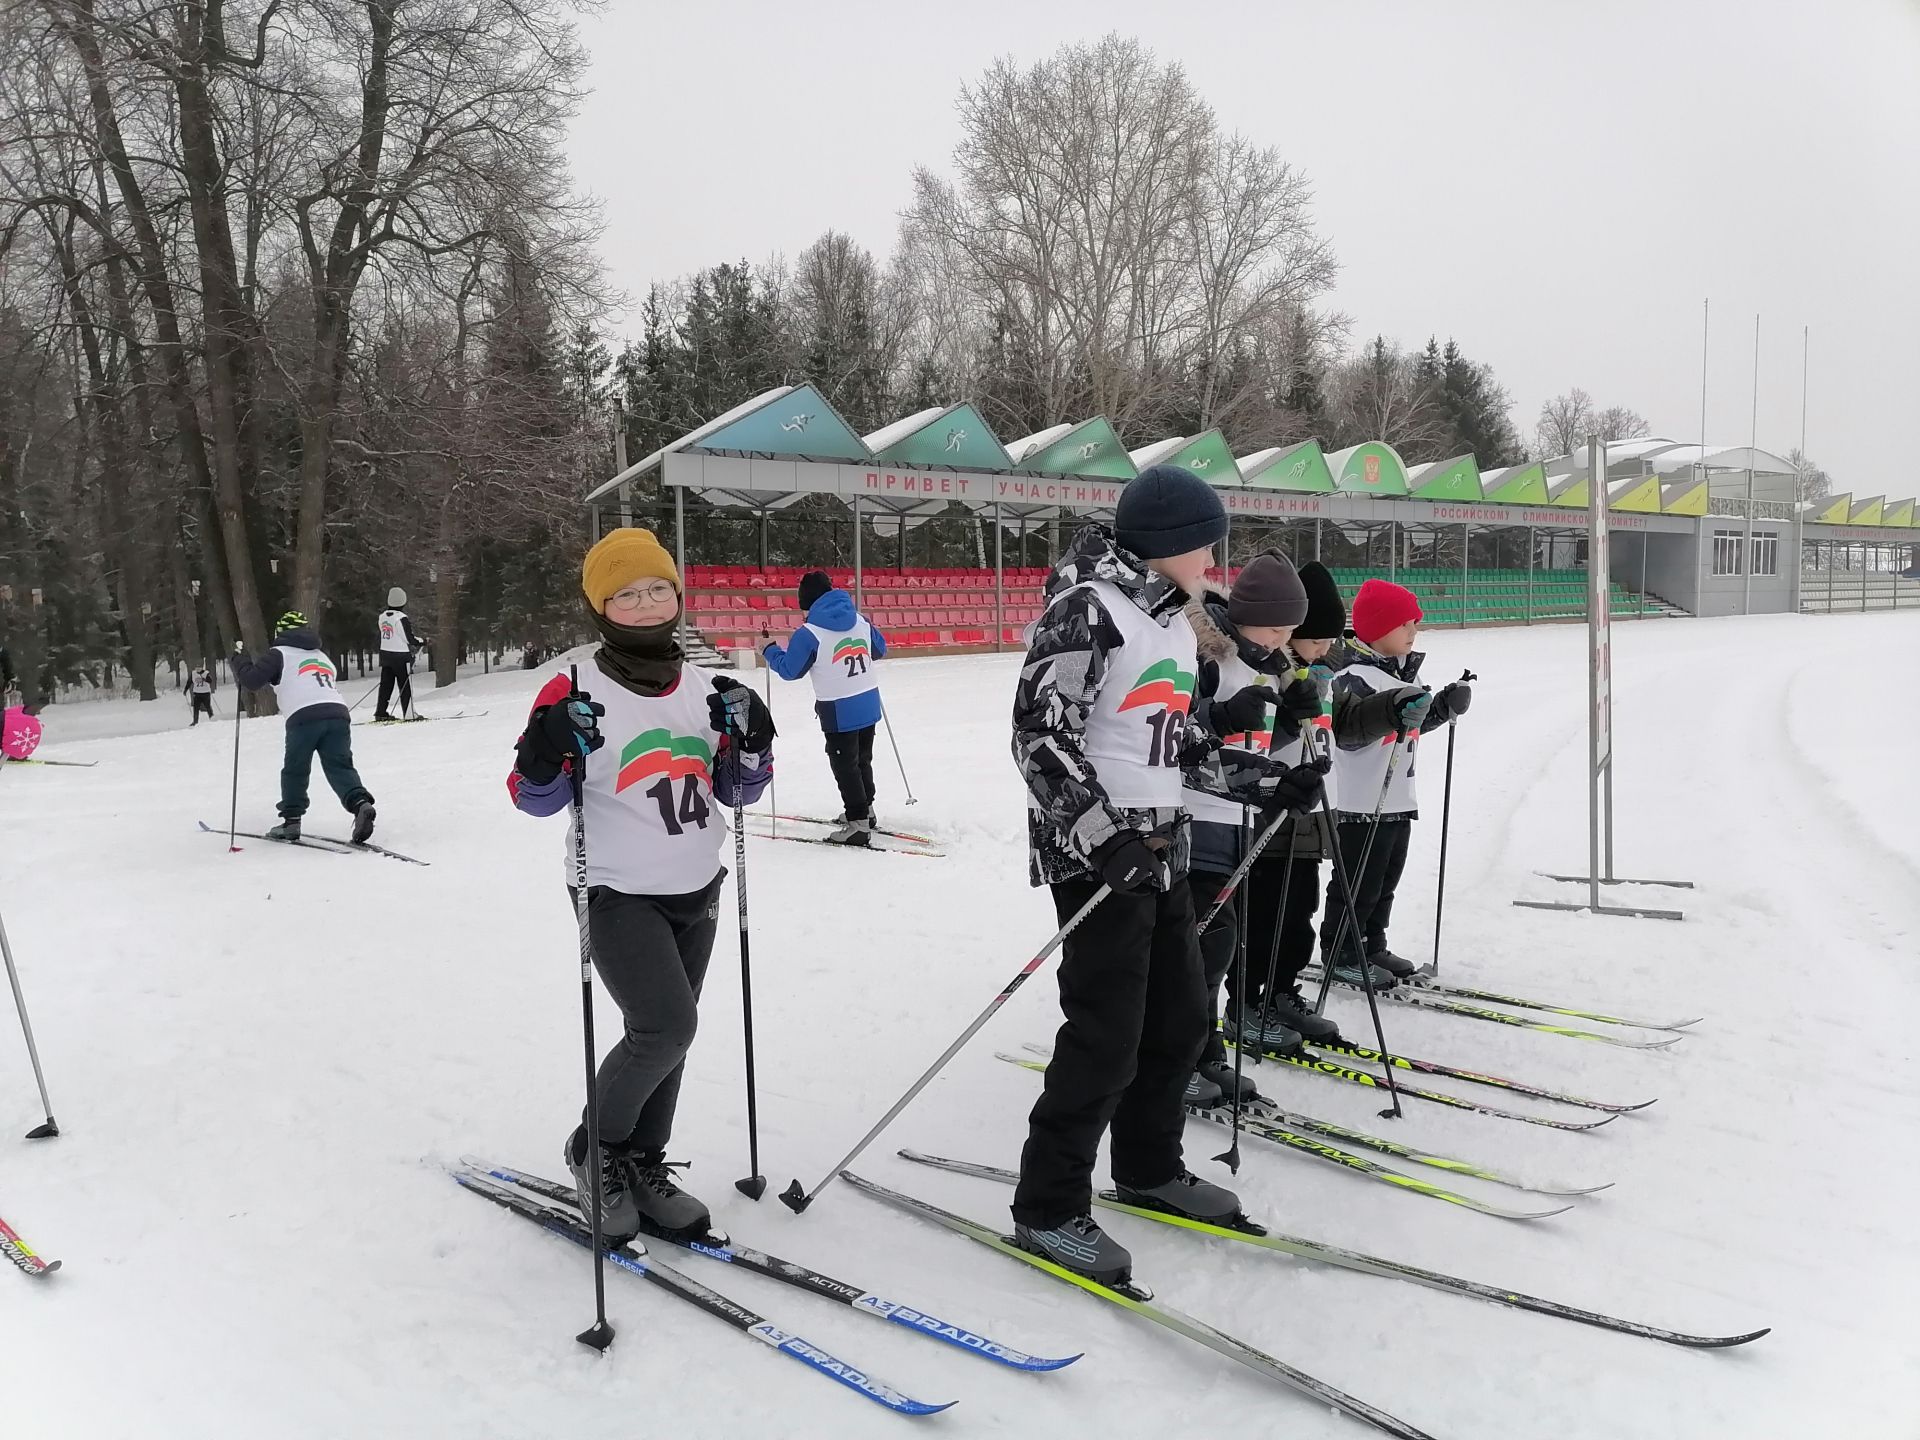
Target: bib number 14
[{"x": 677, "y": 813}]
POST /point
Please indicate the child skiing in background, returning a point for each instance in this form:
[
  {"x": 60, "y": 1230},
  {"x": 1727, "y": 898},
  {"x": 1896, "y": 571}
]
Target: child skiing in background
[
  {"x": 199, "y": 687},
  {"x": 398, "y": 646},
  {"x": 684, "y": 740},
  {"x": 1102, "y": 739},
  {"x": 1278, "y": 1018},
  {"x": 1245, "y": 691},
  {"x": 837, "y": 647},
  {"x": 1379, "y": 659},
  {"x": 302, "y": 676}
]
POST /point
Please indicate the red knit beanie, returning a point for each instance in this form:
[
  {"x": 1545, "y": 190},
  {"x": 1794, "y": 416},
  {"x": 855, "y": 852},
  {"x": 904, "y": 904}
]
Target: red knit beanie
[{"x": 1382, "y": 606}]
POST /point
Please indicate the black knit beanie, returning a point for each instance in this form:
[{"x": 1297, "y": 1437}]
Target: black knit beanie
[
  {"x": 1165, "y": 510},
  {"x": 1267, "y": 592},
  {"x": 1326, "y": 612},
  {"x": 813, "y": 585}
]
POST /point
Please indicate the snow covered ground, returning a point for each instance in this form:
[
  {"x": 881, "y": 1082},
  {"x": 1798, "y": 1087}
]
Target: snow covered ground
[{"x": 263, "y": 1062}]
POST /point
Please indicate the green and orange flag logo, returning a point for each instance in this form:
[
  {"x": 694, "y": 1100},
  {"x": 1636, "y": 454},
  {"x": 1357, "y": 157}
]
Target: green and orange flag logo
[
  {"x": 852, "y": 645},
  {"x": 317, "y": 668},
  {"x": 1161, "y": 683},
  {"x": 661, "y": 752}
]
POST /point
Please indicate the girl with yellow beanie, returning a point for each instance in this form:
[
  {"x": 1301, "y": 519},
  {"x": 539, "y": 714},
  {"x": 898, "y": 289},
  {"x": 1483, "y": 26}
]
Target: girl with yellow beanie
[{"x": 683, "y": 740}]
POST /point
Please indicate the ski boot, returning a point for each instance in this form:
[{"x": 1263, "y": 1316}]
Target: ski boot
[
  {"x": 1202, "y": 1093},
  {"x": 1189, "y": 1197},
  {"x": 1288, "y": 1008},
  {"x": 1079, "y": 1245},
  {"x": 1397, "y": 966},
  {"x": 1267, "y": 1032},
  {"x": 663, "y": 1208},
  {"x": 1347, "y": 972},
  {"x": 853, "y": 832},
  {"x": 1219, "y": 1074},
  {"x": 363, "y": 823},
  {"x": 288, "y": 830},
  {"x": 619, "y": 1215}
]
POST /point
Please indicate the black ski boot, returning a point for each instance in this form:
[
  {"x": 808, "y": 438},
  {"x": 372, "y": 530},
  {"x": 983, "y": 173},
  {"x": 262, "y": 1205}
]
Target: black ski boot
[
  {"x": 1289, "y": 1007},
  {"x": 1202, "y": 1093},
  {"x": 619, "y": 1215},
  {"x": 363, "y": 823},
  {"x": 663, "y": 1208},
  {"x": 1188, "y": 1196},
  {"x": 1079, "y": 1245},
  {"x": 1219, "y": 1074},
  {"x": 288, "y": 830},
  {"x": 1397, "y": 966}
]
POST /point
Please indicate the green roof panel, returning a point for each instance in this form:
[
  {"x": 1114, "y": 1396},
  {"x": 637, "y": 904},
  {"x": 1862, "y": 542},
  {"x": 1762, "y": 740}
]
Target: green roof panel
[
  {"x": 957, "y": 437},
  {"x": 1299, "y": 467},
  {"x": 1208, "y": 457},
  {"x": 1517, "y": 485},
  {"x": 1455, "y": 479},
  {"x": 799, "y": 423},
  {"x": 1089, "y": 448}
]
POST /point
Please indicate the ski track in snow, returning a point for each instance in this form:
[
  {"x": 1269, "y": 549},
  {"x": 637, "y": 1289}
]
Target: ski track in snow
[{"x": 262, "y": 1063}]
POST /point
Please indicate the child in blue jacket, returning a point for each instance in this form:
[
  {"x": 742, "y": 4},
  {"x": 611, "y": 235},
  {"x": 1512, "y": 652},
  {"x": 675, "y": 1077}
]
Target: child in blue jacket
[{"x": 837, "y": 646}]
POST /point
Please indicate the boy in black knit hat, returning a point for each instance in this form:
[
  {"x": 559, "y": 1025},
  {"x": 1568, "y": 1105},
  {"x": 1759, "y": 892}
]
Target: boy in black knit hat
[
  {"x": 1102, "y": 737},
  {"x": 1280, "y": 939},
  {"x": 1247, "y": 693}
]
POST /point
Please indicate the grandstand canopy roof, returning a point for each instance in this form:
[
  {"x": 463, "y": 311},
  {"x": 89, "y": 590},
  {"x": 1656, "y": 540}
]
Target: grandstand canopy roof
[{"x": 788, "y": 441}]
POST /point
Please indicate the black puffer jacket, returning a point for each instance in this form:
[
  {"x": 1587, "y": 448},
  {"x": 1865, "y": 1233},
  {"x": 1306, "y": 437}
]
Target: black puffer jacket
[{"x": 1070, "y": 653}]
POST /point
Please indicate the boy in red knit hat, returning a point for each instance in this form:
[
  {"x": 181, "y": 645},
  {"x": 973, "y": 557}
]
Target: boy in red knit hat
[{"x": 1374, "y": 783}]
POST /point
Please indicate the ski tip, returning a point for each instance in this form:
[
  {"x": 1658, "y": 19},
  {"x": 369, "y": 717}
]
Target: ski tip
[
  {"x": 1727, "y": 1342},
  {"x": 1571, "y": 1190},
  {"x": 795, "y": 1199},
  {"x": 1539, "y": 1214},
  {"x": 905, "y": 1406},
  {"x": 1630, "y": 1109},
  {"x": 1595, "y": 1124}
]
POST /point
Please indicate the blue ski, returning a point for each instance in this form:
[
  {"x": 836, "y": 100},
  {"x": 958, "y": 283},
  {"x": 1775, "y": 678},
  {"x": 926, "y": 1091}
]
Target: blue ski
[{"x": 813, "y": 1282}]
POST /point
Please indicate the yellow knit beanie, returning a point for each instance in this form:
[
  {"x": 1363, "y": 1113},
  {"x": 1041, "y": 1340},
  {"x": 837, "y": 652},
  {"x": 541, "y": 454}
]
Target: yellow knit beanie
[{"x": 622, "y": 557}]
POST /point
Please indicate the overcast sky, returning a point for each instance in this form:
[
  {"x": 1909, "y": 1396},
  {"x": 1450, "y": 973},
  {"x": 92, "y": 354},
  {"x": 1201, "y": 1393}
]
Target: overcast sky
[{"x": 1557, "y": 185}]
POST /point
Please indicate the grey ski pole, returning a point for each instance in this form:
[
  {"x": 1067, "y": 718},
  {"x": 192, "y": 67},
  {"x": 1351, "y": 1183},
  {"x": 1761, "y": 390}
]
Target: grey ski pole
[
  {"x": 905, "y": 783},
  {"x": 50, "y": 1128}
]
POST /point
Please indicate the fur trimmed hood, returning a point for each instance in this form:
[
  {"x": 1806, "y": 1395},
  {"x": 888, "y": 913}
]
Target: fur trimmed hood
[{"x": 1217, "y": 639}]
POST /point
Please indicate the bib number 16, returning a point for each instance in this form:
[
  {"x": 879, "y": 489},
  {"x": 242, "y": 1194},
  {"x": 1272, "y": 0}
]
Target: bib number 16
[{"x": 1163, "y": 748}]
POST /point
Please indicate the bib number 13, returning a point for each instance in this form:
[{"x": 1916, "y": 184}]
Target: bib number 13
[{"x": 1163, "y": 748}]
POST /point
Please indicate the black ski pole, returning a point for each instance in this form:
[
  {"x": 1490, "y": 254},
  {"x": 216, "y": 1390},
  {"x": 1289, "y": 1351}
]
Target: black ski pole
[
  {"x": 1446, "y": 815},
  {"x": 233, "y": 813},
  {"x": 1279, "y": 924},
  {"x": 797, "y": 1200},
  {"x": 599, "y": 1335},
  {"x": 1231, "y": 1157},
  {"x": 755, "y": 1184},
  {"x": 1350, "y": 921},
  {"x": 49, "y": 1129}
]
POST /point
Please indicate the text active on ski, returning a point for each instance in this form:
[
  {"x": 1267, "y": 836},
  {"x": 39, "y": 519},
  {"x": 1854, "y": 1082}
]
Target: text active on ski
[
  {"x": 1139, "y": 1300},
  {"x": 1266, "y": 1109},
  {"x": 789, "y": 1272},
  {"x": 1367, "y": 1264},
  {"x": 635, "y": 1259},
  {"x": 1261, "y": 1129}
]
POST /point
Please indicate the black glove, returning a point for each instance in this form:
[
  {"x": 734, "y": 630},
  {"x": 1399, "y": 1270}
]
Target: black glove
[
  {"x": 1452, "y": 702},
  {"x": 1292, "y": 789},
  {"x": 555, "y": 734},
  {"x": 736, "y": 710},
  {"x": 1300, "y": 702},
  {"x": 1245, "y": 712},
  {"x": 1128, "y": 863}
]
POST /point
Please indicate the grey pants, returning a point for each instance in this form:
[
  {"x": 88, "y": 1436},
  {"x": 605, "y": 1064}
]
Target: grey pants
[{"x": 651, "y": 952}]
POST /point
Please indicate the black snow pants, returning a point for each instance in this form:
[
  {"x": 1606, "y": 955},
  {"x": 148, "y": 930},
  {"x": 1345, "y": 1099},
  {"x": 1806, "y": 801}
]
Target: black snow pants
[
  {"x": 1373, "y": 887},
  {"x": 850, "y": 753},
  {"x": 395, "y": 670}
]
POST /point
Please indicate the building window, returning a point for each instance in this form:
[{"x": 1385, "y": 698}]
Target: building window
[
  {"x": 1766, "y": 554},
  {"x": 1727, "y": 545}
]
